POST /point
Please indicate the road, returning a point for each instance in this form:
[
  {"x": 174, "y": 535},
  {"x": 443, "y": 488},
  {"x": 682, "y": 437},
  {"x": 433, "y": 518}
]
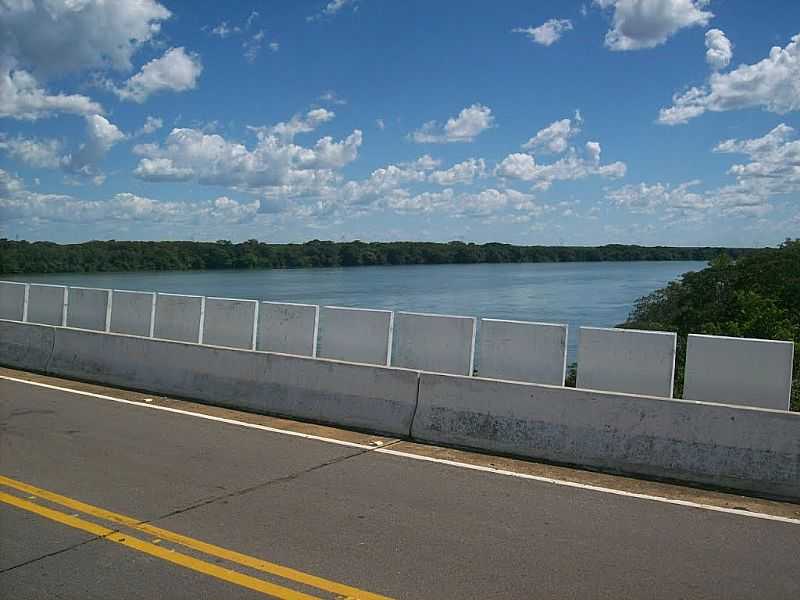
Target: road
[{"x": 123, "y": 495}]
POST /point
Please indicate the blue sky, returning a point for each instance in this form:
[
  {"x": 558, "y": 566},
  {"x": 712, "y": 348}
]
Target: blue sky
[{"x": 605, "y": 121}]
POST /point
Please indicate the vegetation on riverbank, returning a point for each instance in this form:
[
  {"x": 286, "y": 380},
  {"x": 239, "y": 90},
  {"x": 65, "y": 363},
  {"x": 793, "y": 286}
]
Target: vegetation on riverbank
[
  {"x": 757, "y": 296},
  {"x": 17, "y": 257}
]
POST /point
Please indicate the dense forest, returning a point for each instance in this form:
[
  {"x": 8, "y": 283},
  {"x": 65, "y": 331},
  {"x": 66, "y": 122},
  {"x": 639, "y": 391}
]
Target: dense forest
[
  {"x": 756, "y": 296},
  {"x": 47, "y": 257}
]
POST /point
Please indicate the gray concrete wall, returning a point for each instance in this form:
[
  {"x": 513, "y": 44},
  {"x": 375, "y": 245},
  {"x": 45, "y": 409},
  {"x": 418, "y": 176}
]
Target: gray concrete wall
[
  {"x": 46, "y": 304},
  {"x": 132, "y": 312},
  {"x": 439, "y": 343},
  {"x": 626, "y": 360},
  {"x": 354, "y": 334},
  {"x": 287, "y": 328},
  {"x": 230, "y": 322},
  {"x": 178, "y": 318},
  {"x": 12, "y": 300},
  {"x": 739, "y": 371},
  {"x": 366, "y": 397},
  {"x": 88, "y": 308},
  {"x": 714, "y": 444},
  {"x": 522, "y": 351}
]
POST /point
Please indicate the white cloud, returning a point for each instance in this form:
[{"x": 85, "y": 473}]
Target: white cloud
[
  {"x": 568, "y": 168},
  {"x": 44, "y": 154},
  {"x": 332, "y": 97},
  {"x": 548, "y": 33},
  {"x": 638, "y": 24},
  {"x": 555, "y": 137},
  {"x": 21, "y": 97},
  {"x": 53, "y": 37},
  {"x": 299, "y": 124},
  {"x": 463, "y": 172},
  {"x": 224, "y": 30},
  {"x": 151, "y": 124},
  {"x": 719, "y": 49},
  {"x": 274, "y": 46},
  {"x": 772, "y": 83},
  {"x": 175, "y": 71},
  {"x": 252, "y": 46},
  {"x": 380, "y": 124},
  {"x": 484, "y": 204},
  {"x": 101, "y": 135},
  {"x": 161, "y": 169},
  {"x": 331, "y": 8},
  {"x": 469, "y": 123},
  {"x": 647, "y": 199}
]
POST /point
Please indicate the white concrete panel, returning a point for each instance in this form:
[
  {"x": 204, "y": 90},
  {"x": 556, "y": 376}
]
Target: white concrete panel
[
  {"x": 229, "y": 322},
  {"x": 739, "y": 371},
  {"x": 178, "y": 317},
  {"x": 354, "y": 334},
  {"x": 132, "y": 312},
  {"x": 438, "y": 343},
  {"x": 287, "y": 328},
  {"x": 12, "y": 300},
  {"x": 720, "y": 445},
  {"x": 626, "y": 360},
  {"x": 88, "y": 308},
  {"x": 522, "y": 351},
  {"x": 46, "y": 304}
]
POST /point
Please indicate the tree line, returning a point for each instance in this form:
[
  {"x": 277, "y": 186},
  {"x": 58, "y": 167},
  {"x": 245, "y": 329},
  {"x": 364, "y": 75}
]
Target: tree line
[{"x": 18, "y": 257}]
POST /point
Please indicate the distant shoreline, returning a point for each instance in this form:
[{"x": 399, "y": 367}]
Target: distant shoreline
[{"x": 21, "y": 257}]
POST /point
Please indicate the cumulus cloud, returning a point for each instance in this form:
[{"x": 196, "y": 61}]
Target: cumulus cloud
[
  {"x": 464, "y": 172},
  {"x": 151, "y": 125},
  {"x": 44, "y": 154},
  {"x": 287, "y": 130},
  {"x": 101, "y": 135},
  {"x": 571, "y": 167},
  {"x": 719, "y": 49},
  {"x": 252, "y": 46},
  {"x": 483, "y": 204},
  {"x": 21, "y": 97},
  {"x": 332, "y": 8},
  {"x": 224, "y": 30},
  {"x": 174, "y": 71},
  {"x": 548, "y": 33},
  {"x": 555, "y": 137},
  {"x": 647, "y": 199},
  {"x": 638, "y": 24},
  {"x": 469, "y": 123},
  {"x": 772, "y": 84}
]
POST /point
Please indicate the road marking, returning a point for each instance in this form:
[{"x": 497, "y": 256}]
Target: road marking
[
  {"x": 410, "y": 455},
  {"x": 209, "y": 549},
  {"x": 177, "y": 558}
]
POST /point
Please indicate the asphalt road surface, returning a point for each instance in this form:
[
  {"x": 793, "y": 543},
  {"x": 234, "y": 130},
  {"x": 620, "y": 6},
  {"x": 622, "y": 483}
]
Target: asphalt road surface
[{"x": 102, "y": 498}]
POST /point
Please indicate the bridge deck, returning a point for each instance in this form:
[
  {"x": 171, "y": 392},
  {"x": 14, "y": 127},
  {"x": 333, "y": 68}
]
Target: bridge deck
[{"x": 138, "y": 496}]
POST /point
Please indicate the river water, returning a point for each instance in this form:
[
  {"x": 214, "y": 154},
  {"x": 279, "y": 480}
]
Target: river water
[{"x": 598, "y": 294}]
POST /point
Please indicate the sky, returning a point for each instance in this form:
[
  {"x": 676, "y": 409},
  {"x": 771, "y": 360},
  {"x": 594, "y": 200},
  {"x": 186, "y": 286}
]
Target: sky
[{"x": 550, "y": 122}]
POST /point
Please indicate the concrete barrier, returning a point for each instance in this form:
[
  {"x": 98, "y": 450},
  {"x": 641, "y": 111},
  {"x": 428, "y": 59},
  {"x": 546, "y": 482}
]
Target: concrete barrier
[
  {"x": 47, "y": 304},
  {"x": 626, "y": 360},
  {"x": 230, "y": 323},
  {"x": 179, "y": 318},
  {"x": 440, "y": 343},
  {"x": 355, "y": 334},
  {"x": 132, "y": 312},
  {"x": 522, "y": 351},
  {"x": 365, "y": 397},
  {"x": 12, "y": 300},
  {"x": 89, "y": 308},
  {"x": 739, "y": 371},
  {"x": 712, "y": 444},
  {"x": 287, "y": 328}
]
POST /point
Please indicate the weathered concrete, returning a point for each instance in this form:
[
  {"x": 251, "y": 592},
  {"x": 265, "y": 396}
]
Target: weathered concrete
[
  {"x": 12, "y": 300},
  {"x": 46, "y": 304},
  {"x": 626, "y": 360},
  {"x": 354, "y": 334},
  {"x": 287, "y": 328},
  {"x": 88, "y": 308},
  {"x": 378, "y": 399},
  {"x": 439, "y": 343},
  {"x": 522, "y": 351},
  {"x": 132, "y": 312},
  {"x": 739, "y": 371},
  {"x": 721, "y": 445},
  {"x": 178, "y": 318},
  {"x": 230, "y": 322}
]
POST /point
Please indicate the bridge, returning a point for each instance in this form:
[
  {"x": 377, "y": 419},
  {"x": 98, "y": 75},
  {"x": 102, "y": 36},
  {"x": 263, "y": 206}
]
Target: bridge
[{"x": 135, "y": 465}]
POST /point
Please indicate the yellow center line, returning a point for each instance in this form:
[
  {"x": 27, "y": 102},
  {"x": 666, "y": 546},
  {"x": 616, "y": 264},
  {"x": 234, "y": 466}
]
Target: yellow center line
[
  {"x": 204, "y": 547},
  {"x": 177, "y": 558}
]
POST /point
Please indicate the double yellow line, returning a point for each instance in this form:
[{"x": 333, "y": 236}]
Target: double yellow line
[{"x": 178, "y": 558}]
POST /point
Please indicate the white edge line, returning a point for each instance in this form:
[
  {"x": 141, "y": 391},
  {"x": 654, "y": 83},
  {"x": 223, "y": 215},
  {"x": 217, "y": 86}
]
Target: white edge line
[{"x": 442, "y": 461}]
